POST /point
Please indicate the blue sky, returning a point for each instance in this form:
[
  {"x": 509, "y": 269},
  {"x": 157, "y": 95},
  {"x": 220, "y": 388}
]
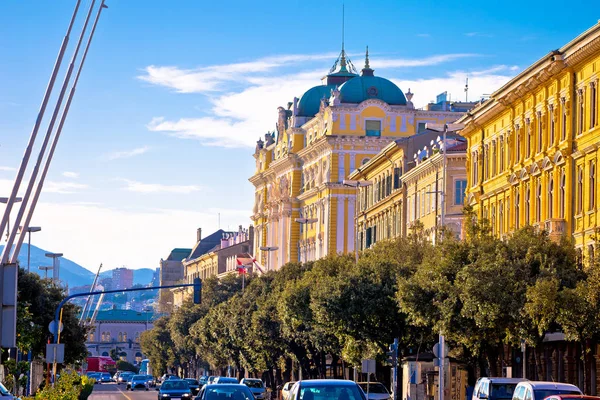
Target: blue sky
[{"x": 174, "y": 94}]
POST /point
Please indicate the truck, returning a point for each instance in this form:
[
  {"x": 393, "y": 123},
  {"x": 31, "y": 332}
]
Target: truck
[{"x": 100, "y": 364}]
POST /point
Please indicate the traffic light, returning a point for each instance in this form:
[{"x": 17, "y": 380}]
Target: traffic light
[
  {"x": 393, "y": 353},
  {"x": 197, "y": 290}
]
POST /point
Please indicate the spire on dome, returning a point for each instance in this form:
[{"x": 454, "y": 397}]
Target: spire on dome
[
  {"x": 343, "y": 60},
  {"x": 367, "y": 71},
  {"x": 367, "y": 59}
]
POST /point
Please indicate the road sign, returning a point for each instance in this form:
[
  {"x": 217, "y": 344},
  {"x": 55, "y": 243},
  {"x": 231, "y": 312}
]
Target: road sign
[
  {"x": 368, "y": 366},
  {"x": 436, "y": 350},
  {"x": 55, "y": 353},
  {"x": 52, "y": 327}
]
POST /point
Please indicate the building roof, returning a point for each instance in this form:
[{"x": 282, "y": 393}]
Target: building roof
[
  {"x": 124, "y": 316},
  {"x": 366, "y": 87},
  {"x": 207, "y": 244},
  {"x": 178, "y": 254},
  {"x": 310, "y": 102}
]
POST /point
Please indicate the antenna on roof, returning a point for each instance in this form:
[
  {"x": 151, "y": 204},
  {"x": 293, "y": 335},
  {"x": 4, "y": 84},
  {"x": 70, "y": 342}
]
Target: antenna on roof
[
  {"x": 343, "y": 21},
  {"x": 467, "y": 90},
  {"x": 219, "y": 219}
]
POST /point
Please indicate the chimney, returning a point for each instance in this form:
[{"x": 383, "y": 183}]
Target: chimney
[{"x": 199, "y": 234}]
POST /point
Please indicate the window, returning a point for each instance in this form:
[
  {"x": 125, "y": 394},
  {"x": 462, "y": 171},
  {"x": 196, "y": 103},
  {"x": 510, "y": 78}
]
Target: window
[
  {"x": 540, "y": 126},
  {"x": 552, "y": 124},
  {"x": 517, "y": 210},
  {"x": 527, "y": 138},
  {"x": 474, "y": 169},
  {"x": 579, "y": 189},
  {"x": 460, "y": 187},
  {"x": 527, "y": 204},
  {"x": 120, "y": 336},
  {"x": 421, "y": 127},
  {"x": 486, "y": 162},
  {"x": 591, "y": 252},
  {"x": 592, "y": 198},
  {"x": 508, "y": 153},
  {"x": 538, "y": 202},
  {"x": 501, "y": 154},
  {"x": 581, "y": 119},
  {"x": 124, "y": 336},
  {"x": 373, "y": 128},
  {"x": 550, "y": 197},
  {"x": 563, "y": 130},
  {"x": 518, "y": 144},
  {"x": 493, "y": 219},
  {"x": 422, "y": 203},
  {"x": 501, "y": 217},
  {"x": 427, "y": 199},
  {"x": 593, "y": 105},
  {"x": 397, "y": 174},
  {"x": 562, "y": 198},
  {"x": 91, "y": 337},
  {"x": 494, "y": 161}
]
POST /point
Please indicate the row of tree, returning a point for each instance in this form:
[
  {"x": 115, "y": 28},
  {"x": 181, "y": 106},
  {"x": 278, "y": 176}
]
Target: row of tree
[{"x": 481, "y": 292}]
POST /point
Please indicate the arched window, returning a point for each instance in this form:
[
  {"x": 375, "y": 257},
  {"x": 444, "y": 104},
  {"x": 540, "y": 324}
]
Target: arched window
[
  {"x": 563, "y": 130},
  {"x": 562, "y": 198},
  {"x": 517, "y": 210},
  {"x": 518, "y": 144},
  {"x": 592, "y": 202},
  {"x": 550, "y": 197},
  {"x": 120, "y": 337},
  {"x": 501, "y": 154},
  {"x": 540, "y": 135},
  {"x": 579, "y": 189},
  {"x": 494, "y": 161},
  {"x": 501, "y": 217},
  {"x": 91, "y": 337},
  {"x": 486, "y": 162},
  {"x": 527, "y": 138},
  {"x": 137, "y": 337},
  {"x": 527, "y": 204},
  {"x": 124, "y": 336},
  {"x": 551, "y": 119},
  {"x": 493, "y": 219}
]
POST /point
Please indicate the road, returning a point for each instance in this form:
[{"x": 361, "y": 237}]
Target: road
[{"x": 112, "y": 391}]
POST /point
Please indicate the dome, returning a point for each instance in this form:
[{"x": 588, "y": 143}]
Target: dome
[
  {"x": 310, "y": 102},
  {"x": 366, "y": 87}
]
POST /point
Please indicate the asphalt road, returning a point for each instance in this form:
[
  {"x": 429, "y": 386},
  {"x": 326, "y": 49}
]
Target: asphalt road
[{"x": 112, "y": 391}]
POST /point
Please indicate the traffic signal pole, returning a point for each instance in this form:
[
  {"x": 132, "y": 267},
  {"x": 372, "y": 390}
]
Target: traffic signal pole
[{"x": 197, "y": 285}]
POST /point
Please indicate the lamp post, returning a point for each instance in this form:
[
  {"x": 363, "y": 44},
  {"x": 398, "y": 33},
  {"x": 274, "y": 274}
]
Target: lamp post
[
  {"x": 268, "y": 249},
  {"x": 356, "y": 185},
  {"x": 304, "y": 223},
  {"x": 444, "y": 128},
  {"x": 46, "y": 269},
  {"x": 4, "y": 200},
  {"x": 29, "y": 230},
  {"x": 56, "y": 264}
]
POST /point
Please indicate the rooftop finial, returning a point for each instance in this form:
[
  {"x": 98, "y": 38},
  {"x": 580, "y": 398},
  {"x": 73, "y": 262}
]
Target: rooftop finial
[
  {"x": 367, "y": 71},
  {"x": 367, "y": 59}
]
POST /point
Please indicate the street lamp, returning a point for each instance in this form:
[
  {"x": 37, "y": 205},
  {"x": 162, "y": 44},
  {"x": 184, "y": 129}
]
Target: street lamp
[
  {"x": 56, "y": 264},
  {"x": 356, "y": 185},
  {"x": 268, "y": 249},
  {"x": 46, "y": 269},
  {"x": 29, "y": 230},
  {"x": 4, "y": 200},
  {"x": 445, "y": 128},
  {"x": 304, "y": 222}
]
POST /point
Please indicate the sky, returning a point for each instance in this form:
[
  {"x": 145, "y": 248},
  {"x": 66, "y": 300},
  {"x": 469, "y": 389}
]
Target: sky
[{"x": 174, "y": 94}]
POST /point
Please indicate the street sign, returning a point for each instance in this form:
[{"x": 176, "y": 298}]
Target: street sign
[
  {"x": 52, "y": 327},
  {"x": 368, "y": 366},
  {"x": 436, "y": 350},
  {"x": 55, "y": 353}
]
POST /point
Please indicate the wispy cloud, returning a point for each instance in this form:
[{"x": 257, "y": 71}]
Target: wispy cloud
[
  {"x": 63, "y": 187},
  {"x": 419, "y": 62},
  {"x": 69, "y": 174},
  {"x": 128, "y": 153},
  {"x": 3, "y": 168},
  {"x": 479, "y": 34},
  {"x": 423, "y": 35},
  {"x": 140, "y": 187}
]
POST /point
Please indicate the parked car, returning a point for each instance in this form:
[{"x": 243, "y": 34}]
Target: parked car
[
  {"x": 94, "y": 375},
  {"x": 225, "y": 379},
  {"x": 194, "y": 385},
  {"x": 256, "y": 386},
  {"x": 124, "y": 376},
  {"x": 229, "y": 391},
  {"x": 326, "y": 388},
  {"x": 151, "y": 381},
  {"x": 105, "y": 377},
  {"x": 495, "y": 388},
  {"x": 285, "y": 390},
  {"x": 530, "y": 390},
  {"x": 211, "y": 379},
  {"x": 166, "y": 377},
  {"x": 203, "y": 380},
  {"x": 375, "y": 390},
  {"x": 174, "y": 388},
  {"x": 572, "y": 397},
  {"x": 5, "y": 394},
  {"x": 137, "y": 382}
]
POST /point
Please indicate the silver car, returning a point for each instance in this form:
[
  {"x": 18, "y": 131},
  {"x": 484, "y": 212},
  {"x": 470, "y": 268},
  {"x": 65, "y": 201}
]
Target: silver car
[{"x": 256, "y": 386}]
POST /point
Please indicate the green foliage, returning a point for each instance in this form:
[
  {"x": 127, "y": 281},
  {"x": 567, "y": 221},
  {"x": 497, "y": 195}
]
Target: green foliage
[
  {"x": 69, "y": 386},
  {"x": 125, "y": 366}
]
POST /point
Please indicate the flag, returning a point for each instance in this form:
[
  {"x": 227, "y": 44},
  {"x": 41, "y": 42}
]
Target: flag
[{"x": 240, "y": 266}]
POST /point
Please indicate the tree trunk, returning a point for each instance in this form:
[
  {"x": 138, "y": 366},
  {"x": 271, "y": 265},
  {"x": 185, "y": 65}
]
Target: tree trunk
[
  {"x": 584, "y": 358},
  {"x": 334, "y": 365}
]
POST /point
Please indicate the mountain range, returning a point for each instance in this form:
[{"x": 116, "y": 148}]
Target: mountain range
[{"x": 71, "y": 272}]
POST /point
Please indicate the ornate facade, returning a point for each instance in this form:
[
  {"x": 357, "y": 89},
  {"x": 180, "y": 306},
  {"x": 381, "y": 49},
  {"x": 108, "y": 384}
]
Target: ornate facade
[
  {"x": 533, "y": 147},
  {"x": 320, "y": 139}
]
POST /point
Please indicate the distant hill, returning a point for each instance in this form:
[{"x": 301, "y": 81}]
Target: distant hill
[{"x": 71, "y": 272}]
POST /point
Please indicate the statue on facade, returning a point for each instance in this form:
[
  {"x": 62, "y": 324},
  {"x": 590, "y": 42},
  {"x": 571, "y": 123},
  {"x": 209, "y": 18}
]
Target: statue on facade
[{"x": 284, "y": 187}]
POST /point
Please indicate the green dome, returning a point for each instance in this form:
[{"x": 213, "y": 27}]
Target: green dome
[
  {"x": 363, "y": 88},
  {"x": 310, "y": 102}
]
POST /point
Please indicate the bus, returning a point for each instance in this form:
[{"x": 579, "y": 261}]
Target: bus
[{"x": 145, "y": 368}]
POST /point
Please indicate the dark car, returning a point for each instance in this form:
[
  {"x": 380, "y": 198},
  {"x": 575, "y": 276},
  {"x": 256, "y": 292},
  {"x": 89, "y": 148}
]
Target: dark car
[
  {"x": 326, "y": 388},
  {"x": 225, "y": 391},
  {"x": 174, "y": 389},
  {"x": 94, "y": 375},
  {"x": 124, "y": 377},
  {"x": 105, "y": 377},
  {"x": 137, "y": 382},
  {"x": 194, "y": 385},
  {"x": 256, "y": 386}
]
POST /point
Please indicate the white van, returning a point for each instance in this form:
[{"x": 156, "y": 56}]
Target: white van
[
  {"x": 530, "y": 390},
  {"x": 495, "y": 388}
]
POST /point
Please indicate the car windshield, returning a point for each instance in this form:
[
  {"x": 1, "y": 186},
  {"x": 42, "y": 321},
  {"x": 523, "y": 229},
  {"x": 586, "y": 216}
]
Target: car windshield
[
  {"x": 503, "y": 390},
  {"x": 106, "y": 375},
  {"x": 192, "y": 381},
  {"x": 543, "y": 393},
  {"x": 330, "y": 392},
  {"x": 257, "y": 384},
  {"x": 227, "y": 380},
  {"x": 228, "y": 393},
  {"x": 139, "y": 377},
  {"x": 177, "y": 385},
  {"x": 374, "y": 388}
]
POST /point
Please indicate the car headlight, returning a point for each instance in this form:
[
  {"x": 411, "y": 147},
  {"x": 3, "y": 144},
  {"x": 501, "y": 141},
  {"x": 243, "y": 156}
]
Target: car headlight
[{"x": 165, "y": 395}]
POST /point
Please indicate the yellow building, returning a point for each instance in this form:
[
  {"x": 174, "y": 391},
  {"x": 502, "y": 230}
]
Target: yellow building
[
  {"x": 331, "y": 130},
  {"x": 405, "y": 185},
  {"x": 533, "y": 146}
]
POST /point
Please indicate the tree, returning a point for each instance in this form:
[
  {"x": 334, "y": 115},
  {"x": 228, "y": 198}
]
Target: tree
[{"x": 158, "y": 346}]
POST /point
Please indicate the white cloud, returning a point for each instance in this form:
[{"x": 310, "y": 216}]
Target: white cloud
[
  {"x": 128, "y": 153},
  {"x": 422, "y": 62},
  {"x": 140, "y": 187},
  {"x": 63, "y": 187},
  {"x": 479, "y": 34},
  {"x": 423, "y": 35},
  {"x": 137, "y": 238},
  {"x": 4, "y": 168},
  {"x": 69, "y": 174}
]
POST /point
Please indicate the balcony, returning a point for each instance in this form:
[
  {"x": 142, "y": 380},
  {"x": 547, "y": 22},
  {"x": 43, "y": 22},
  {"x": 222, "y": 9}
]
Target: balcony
[{"x": 556, "y": 227}]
